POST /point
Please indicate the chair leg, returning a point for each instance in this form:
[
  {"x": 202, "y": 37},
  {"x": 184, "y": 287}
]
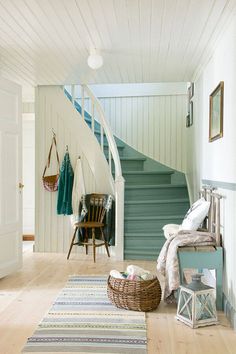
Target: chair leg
[
  {"x": 72, "y": 242},
  {"x": 106, "y": 245},
  {"x": 94, "y": 246}
]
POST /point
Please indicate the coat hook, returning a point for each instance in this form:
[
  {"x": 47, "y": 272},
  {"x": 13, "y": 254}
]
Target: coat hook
[
  {"x": 53, "y": 132},
  {"x": 67, "y": 148}
]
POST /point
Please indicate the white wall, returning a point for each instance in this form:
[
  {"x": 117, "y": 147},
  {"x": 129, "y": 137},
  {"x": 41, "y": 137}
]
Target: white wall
[
  {"x": 153, "y": 125},
  {"x": 149, "y": 117},
  {"x": 28, "y": 157},
  {"x": 215, "y": 162},
  {"x": 53, "y": 110}
]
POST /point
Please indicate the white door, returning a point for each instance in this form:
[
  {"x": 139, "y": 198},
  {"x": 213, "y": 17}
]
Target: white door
[{"x": 10, "y": 178}]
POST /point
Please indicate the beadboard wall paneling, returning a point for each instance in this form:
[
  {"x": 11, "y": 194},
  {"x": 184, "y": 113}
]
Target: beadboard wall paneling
[
  {"x": 48, "y": 42},
  {"x": 154, "y": 125},
  {"x": 53, "y": 110}
]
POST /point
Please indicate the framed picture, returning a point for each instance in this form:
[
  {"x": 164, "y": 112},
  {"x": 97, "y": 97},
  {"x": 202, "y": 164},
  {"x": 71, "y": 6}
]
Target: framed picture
[{"x": 216, "y": 113}]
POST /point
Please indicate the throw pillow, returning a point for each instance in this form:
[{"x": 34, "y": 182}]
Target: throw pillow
[
  {"x": 170, "y": 230},
  {"x": 196, "y": 214}
]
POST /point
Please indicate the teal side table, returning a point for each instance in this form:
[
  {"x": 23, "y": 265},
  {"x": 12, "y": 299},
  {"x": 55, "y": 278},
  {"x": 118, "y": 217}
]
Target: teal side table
[{"x": 200, "y": 260}]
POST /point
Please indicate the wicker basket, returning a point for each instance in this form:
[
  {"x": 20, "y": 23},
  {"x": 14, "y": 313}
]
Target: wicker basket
[{"x": 142, "y": 295}]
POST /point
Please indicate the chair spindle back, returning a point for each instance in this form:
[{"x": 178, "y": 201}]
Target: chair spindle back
[{"x": 96, "y": 210}]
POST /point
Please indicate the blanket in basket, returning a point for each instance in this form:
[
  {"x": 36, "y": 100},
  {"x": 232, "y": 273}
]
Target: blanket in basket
[{"x": 167, "y": 262}]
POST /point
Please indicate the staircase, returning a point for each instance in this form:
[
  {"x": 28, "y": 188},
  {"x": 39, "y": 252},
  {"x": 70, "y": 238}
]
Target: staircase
[{"x": 155, "y": 195}]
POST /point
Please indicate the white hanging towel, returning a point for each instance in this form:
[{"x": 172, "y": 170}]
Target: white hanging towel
[{"x": 77, "y": 191}]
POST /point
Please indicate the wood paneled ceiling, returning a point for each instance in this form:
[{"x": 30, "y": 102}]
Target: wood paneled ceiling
[{"x": 48, "y": 41}]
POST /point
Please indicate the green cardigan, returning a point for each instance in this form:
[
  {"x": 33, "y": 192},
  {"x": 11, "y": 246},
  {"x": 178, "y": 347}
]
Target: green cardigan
[{"x": 64, "y": 198}]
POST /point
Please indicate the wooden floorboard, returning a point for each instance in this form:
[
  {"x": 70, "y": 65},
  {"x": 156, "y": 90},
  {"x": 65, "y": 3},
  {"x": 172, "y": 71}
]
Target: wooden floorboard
[{"x": 28, "y": 294}]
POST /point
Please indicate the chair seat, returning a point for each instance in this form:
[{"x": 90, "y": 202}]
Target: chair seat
[
  {"x": 96, "y": 207},
  {"x": 89, "y": 224}
]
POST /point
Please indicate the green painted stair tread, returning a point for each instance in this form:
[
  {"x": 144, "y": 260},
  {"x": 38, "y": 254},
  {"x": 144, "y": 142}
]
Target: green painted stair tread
[
  {"x": 150, "y": 173},
  {"x": 124, "y": 158},
  {"x": 155, "y": 186},
  {"x": 157, "y": 201},
  {"x": 162, "y": 191},
  {"x": 156, "y": 207},
  {"x": 154, "y": 217},
  {"x": 119, "y": 145},
  {"x": 131, "y": 159},
  {"x": 141, "y": 177},
  {"x": 130, "y": 164},
  {"x": 144, "y": 253},
  {"x": 146, "y": 235},
  {"x": 149, "y": 224}
]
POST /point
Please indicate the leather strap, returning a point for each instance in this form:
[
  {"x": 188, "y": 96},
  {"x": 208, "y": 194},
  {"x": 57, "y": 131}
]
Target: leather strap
[{"x": 49, "y": 156}]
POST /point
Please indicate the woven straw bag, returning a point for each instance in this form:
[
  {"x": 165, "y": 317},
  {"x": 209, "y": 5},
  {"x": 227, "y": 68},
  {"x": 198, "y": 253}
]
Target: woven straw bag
[
  {"x": 50, "y": 183},
  {"x": 137, "y": 295}
]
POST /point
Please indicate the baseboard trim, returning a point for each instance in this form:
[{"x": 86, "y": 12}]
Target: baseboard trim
[
  {"x": 28, "y": 237},
  {"x": 229, "y": 311}
]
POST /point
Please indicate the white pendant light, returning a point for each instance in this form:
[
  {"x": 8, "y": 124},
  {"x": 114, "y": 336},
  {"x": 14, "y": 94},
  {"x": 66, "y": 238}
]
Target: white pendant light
[{"x": 95, "y": 61}]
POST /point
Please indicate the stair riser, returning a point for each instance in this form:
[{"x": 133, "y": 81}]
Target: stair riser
[
  {"x": 139, "y": 243},
  {"x": 120, "y": 151},
  {"x": 131, "y": 165},
  {"x": 178, "y": 208},
  {"x": 146, "y": 179},
  {"x": 98, "y": 136},
  {"x": 145, "y": 257},
  {"x": 149, "y": 225},
  {"x": 155, "y": 193}
]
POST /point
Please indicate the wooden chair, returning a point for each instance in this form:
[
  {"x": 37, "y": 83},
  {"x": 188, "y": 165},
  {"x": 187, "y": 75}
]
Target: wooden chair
[
  {"x": 94, "y": 220},
  {"x": 207, "y": 257}
]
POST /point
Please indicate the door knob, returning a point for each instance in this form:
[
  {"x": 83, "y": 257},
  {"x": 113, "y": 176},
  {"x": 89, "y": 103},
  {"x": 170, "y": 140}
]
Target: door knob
[{"x": 21, "y": 185}]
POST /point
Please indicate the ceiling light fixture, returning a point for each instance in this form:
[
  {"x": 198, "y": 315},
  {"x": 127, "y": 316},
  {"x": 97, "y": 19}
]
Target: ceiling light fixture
[{"x": 95, "y": 60}]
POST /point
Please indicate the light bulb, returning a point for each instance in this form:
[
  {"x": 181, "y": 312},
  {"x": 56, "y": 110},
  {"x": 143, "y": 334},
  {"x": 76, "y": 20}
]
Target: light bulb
[{"x": 95, "y": 61}]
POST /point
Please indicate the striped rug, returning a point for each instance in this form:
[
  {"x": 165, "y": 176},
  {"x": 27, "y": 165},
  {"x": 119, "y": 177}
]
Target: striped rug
[{"x": 82, "y": 320}]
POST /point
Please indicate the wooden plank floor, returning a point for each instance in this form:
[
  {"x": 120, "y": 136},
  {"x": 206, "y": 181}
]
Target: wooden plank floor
[{"x": 28, "y": 294}]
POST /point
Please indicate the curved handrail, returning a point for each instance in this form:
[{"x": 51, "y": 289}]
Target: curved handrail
[
  {"x": 112, "y": 150},
  {"x": 107, "y": 129}
]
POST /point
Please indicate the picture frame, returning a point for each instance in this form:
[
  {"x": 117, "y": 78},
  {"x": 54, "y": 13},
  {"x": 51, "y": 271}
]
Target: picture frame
[{"x": 216, "y": 106}]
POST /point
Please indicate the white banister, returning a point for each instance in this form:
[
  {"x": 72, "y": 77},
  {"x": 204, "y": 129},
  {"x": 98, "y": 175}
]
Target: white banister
[
  {"x": 112, "y": 154},
  {"x": 109, "y": 158},
  {"x": 82, "y": 101},
  {"x": 92, "y": 115},
  {"x": 73, "y": 94},
  {"x": 102, "y": 137},
  {"x": 107, "y": 130}
]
